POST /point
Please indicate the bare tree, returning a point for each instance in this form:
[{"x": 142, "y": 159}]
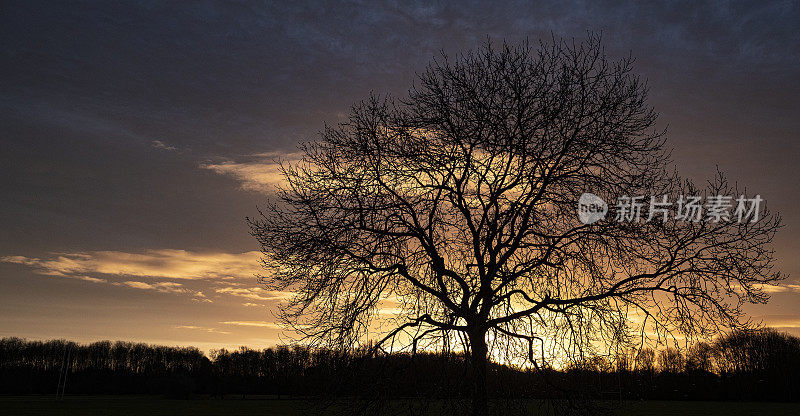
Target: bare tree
[
  {"x": 645, "y": 360},
  {"x": 457, "y": 206},
  {"x": 670, "y": 360},
  {"x": 700, "y": 358}
]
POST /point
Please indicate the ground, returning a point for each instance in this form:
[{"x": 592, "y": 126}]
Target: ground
[{"x": 156, "y": 406}]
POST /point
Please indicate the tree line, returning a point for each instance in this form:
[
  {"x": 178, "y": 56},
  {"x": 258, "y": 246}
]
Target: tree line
[{"x": 744, "y": 365}]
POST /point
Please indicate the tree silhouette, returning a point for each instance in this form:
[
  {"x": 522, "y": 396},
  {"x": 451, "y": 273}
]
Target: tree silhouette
[
  {"x": 757, "y": 365},
  {"x": 671, "y": 360},
  {"x": 456, "y": 205},
  {"x": 645, "y": 360}
]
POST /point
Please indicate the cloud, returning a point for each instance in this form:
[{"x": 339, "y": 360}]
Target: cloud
[
  {"x": 255, "y": 293},
  {"x": 165, "y": 263},
  {"x": 166, "y": 287},
  {"x": 157, "y": 270},
  {"x": 390, "y": 311},
  {"x": 201, "y": 328},
  {"x": 260, "y": 324},
  {"x": 785, "y": 288},
  {"x": 781, "y": 321},
  {"x": 158, "y": 144},
  {"x": 261, "y": 175}
]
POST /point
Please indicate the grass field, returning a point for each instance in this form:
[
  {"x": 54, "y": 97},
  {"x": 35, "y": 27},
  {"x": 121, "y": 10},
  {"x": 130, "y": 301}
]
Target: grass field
[{"x": 157, "y": 406}]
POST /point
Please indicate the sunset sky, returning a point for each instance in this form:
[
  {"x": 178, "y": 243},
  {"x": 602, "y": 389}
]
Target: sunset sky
[{"x": 137, "y": 137}]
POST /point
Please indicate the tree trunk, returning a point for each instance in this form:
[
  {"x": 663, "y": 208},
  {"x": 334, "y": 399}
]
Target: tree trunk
[{"x": 479, "y": 364}]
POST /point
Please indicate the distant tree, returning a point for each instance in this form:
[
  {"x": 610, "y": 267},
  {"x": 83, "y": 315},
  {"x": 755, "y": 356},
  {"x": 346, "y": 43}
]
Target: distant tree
[
  {"x": 670, "y": 360},
  {"x": 754, "y": 351},
  {"x": 624, "y": 360},
  {"x": 456, "y": 205},
  {"x": 645, "y": 360},
  {"x": 700, "y": 358}
]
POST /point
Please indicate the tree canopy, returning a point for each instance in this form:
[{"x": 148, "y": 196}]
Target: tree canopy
[{"x": 456, "y": 205}]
